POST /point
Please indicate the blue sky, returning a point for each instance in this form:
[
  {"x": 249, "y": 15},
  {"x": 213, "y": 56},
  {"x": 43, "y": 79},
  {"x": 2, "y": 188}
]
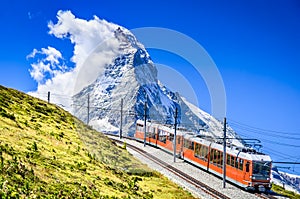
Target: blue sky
[{"x": 255, "y": 45}]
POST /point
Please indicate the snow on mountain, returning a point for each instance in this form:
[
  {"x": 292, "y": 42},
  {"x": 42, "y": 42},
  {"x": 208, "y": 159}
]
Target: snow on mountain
[
  {"x": 214, "y": 127},
  {"x": 288, "y": 181},
  {"x": 132, "y": 76}
]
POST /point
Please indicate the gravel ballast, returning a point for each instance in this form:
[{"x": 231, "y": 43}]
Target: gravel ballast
[{"x": 208, "y": 179}]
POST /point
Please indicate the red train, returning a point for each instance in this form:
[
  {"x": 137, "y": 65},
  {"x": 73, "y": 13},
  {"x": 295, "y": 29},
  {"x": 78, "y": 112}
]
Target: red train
[{"x": 245, "y": 167}]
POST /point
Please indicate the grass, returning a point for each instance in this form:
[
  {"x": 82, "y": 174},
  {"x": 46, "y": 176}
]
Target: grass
[
  {"x": 280, "y": 190},
  {"x": 47, "y": 153}
]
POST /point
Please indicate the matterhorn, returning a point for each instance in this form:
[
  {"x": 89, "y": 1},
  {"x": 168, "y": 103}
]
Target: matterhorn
[{"x": 128, "y": 88}]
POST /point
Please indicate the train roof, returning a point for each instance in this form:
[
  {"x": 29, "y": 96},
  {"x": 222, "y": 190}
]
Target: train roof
[{"x": 242, "y": 152}]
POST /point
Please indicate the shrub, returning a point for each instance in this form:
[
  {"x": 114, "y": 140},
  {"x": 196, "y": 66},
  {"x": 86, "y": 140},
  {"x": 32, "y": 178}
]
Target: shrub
[
  {"x": 3, "y": 113},
  {"x": 34, "y": 146}
]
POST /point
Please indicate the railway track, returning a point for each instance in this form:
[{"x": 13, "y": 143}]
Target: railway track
[
  {"x": 205, "y": 188},
  {"x": 179, "y": 173},
  {"x": 265, "y": 196}
]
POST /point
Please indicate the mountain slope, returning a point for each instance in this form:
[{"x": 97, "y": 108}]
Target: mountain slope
[
  {"x": 46, "y": 152},
  {"x": 288, "y": 181},
  {"x": 132, "y": 76}
]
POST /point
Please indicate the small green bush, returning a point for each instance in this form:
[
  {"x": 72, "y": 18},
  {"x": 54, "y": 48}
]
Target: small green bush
[{"x": 3, "y": 113}]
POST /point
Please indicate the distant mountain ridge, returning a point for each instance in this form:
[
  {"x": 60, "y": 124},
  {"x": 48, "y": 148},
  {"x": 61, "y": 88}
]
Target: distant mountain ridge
[
  {"x": 288, "y": 181},
  {"x": 132, "y": 76}
]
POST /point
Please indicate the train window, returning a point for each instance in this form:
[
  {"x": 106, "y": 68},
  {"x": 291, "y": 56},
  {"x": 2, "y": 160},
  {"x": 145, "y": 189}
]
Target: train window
[
  {"x": 159, "y": 131},
  {"x": 204, "y": 152},
  {"x": 241, "y": 163},
  {"x": 261, "y": 169},
  {"x": 153, "y": 135},
  {"x": 236, "y": 162},
  {"x": 162, "y": 136},
  {"x": 217, "y": 157},
  {"x": 186, "y": 143},
  {"x": 228, "y": 159},
  {"x": 178, "y": 140},
  {"x": 171, "y": 137},
  {"x": 150, "y": 133},
  {"x": 232, "y": 161},
  {"x": 211, "y": 157},
  {"x": 201, "y": 151},
  {"x": 221, "y": 158},
  {"x": 191, "y": 146},
  {"x": 247, "y": 167},
  {"x": 197, "y": 150}
]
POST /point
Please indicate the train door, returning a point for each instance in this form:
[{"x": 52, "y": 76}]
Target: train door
[{"x": 247, "y": 171}]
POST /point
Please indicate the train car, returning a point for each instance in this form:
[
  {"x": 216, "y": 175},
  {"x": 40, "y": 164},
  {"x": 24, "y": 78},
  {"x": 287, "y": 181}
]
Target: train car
[
  {"x": 158, "y": 135},
  {"x": 245, "y": 167}
]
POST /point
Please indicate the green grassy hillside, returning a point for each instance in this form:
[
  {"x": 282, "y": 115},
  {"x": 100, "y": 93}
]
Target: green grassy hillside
[
  {"x": 280, "y": 190},
  {"x": 47, "y": 153}
]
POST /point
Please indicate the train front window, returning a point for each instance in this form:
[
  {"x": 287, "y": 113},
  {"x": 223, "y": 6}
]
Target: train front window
[{"x": 261, "y": 170}]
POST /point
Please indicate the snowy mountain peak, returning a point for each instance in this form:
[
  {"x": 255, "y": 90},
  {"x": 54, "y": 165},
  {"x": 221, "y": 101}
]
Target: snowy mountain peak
[
  {"x": 126, "y": 38},
  {"x": 132, "y": 76}
]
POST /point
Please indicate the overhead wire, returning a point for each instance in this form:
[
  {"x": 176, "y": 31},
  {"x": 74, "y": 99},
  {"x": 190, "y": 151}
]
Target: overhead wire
[
  {"x": 233, "y": 123},
  {"x": 265, "y": 133},
  {"x": 236, "y": 125},
  {"x": 273, "y": 134},
  {"x": 261, "y": 129},
  {"x": 249, "y": 130}
]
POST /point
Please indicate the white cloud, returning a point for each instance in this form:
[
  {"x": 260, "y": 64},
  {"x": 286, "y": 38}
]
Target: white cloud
[
  {"x": 94, "y": 47},
  {"x": 38, "y": 70},
  {"x": 86, "y": 35},
  {"x": 48, "y": 63}
]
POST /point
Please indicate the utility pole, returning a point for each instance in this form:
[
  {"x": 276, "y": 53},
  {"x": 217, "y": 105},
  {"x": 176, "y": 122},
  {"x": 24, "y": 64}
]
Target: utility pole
[
  {"x": 175, "y": 128},
  {"x": 145, "y": 122},
  {"x": 121, "y": 122},
  {"x": 48, "y": 97},
  {"x": 224, "y": 155},
  {"x": 88, "y": 110}
]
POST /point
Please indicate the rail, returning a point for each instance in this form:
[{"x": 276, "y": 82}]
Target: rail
[{"x": 205, "y": 188}]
